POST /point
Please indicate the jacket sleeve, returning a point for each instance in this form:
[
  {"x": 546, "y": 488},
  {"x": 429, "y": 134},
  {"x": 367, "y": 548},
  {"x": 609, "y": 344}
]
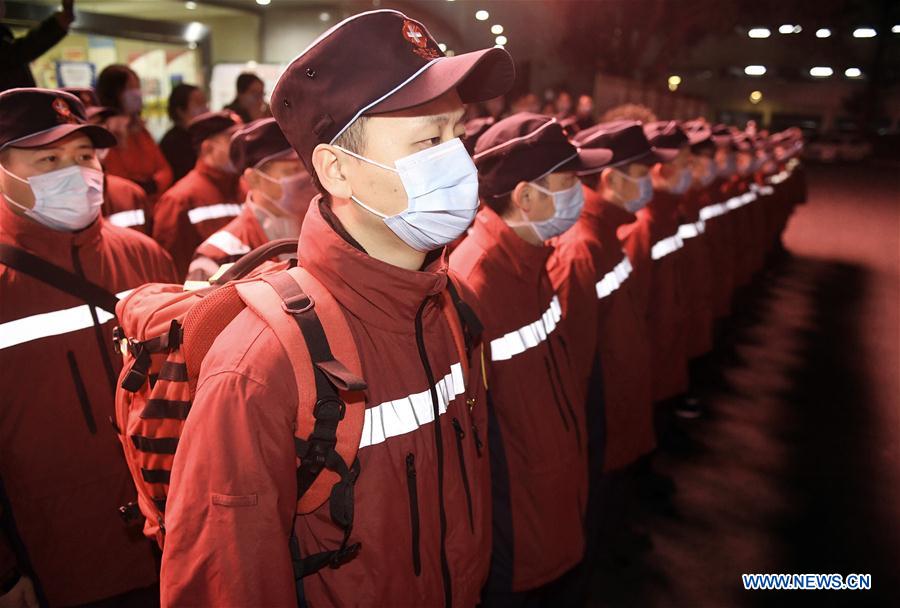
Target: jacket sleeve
[
  {"x": 232, "y": 501},
  {"x": 7, "y": 555},
  {"x": 172, "y": 229},
  {"x": 162, "y": 172},
  {"x": 16, "y": 52}
]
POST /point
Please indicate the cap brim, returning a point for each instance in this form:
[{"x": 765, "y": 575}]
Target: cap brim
[
  {"x": 100, "y": 137},
  {"x": 477, "y": 76},
  {"x": 589, "y": 160}
]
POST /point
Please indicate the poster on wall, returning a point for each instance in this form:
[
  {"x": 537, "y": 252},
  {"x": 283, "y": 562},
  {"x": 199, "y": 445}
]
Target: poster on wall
[{"x": 75, "y": 73}]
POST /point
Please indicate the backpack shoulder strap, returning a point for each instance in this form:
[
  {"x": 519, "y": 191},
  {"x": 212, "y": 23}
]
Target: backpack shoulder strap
[
  {"x": 331, "y": 410},
  {"x": 57, "y": 277}
]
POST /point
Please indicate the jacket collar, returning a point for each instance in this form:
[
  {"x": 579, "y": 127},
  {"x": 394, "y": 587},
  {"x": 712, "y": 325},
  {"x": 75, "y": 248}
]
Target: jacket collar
[
  {"x": 376, "y": 292},
  {"x": 52, "y": 245},
  {"x": 493, "y": 235},
  {"x": 224, "y": 181}
]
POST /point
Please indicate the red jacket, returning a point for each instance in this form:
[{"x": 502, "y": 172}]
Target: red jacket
[
  {"x": 139, "y": 159},
  {"x": 538, "y": 443},
  {"x": 622, "y": 340},
  {"x": 697, "y": 275},
  {"x": 668, "y": 306},
  {"x": 125, "y": 204},
  {"x": 60, "y": 461},
  {"x": 202, "y": 202},
  {"x": 239, "y": 236},
  {"x": 720, "y": 236},
  {"x": 416, "y": 548}
]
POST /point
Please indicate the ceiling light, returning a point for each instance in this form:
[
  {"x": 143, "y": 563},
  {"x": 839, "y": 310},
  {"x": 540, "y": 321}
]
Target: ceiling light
[
  {"x": 497, "y": 29},
  {"x": 263, "y": 2},
  {"x": 756, "y": 97},
  {"x": 895, "y": 29},
  {"x": 823, "y": 32},
  {"x": 501, "y": 40},
  {"x": 853, "y": 73},
  {"x": 759, "y": 32},
  {"x": 797, "y": 29},
  {"x": 786, "y": 29},
  {"x": 675, "y": 79},
  {"x": 755, "y": 70},
  {"x": 499, "y": 46},
  {"x": 323, "y": 16},
  {"x": 190, "y": 5},
  {"x": 482, "y": 15},
  {"x": 442, "y": 46},
  {"x": 821, "y": 72},
  {"x": 194, "y": 31},
  {"x": 864, "y": 32}
]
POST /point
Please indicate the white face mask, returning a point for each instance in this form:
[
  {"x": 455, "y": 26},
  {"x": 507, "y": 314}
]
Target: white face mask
[
  {"x": 66, "y": 199},
  {"x": 275, "y": 227},
  {"x": 645, "y": 192},
  {"x": 709, "y": 174},
  {"x": 567, "y": 208},
  {"x": 683, "y": 183},
  {"x": 294, "y": 198},
  {"x": 441, "y": 186},
  {"x": 132, "y": 101}
]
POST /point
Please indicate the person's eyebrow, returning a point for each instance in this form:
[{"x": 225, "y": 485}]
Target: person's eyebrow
[{"x": 443, "y": 118}]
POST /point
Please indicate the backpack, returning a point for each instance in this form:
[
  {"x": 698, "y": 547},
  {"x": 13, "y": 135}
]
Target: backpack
[{"x": 164, "y": 334}]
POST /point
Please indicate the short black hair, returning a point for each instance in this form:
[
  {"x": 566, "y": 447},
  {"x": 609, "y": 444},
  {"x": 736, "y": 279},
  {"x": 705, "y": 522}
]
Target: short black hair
[
  {"x": 178, "y": 99},
  {"x": 246, "y": 80},
  {"x": 111, "y": 83}
]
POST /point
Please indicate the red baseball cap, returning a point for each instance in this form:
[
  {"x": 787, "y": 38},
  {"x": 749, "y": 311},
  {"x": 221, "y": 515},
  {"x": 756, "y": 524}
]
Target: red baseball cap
[
  {"x": 32, "y": 117},
  {"x": 209, "y": 124},
  {"x": 258, "y": 143},
  {"x": 627, "y": 141},
  {"x": 525, "y": 147},
  {"x": 372, "y": 63}
]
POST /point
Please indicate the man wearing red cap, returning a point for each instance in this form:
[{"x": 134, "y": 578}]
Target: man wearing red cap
[
  {"x": 205, "y": 199},
  {"x": 61, "y": 270},
  {"x": 280, "y": 191},
  {"x": 537, "y": 434},
  {"x": 374, "y": 110}
]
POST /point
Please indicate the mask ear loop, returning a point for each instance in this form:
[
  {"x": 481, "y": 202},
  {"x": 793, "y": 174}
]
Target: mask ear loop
[{"x": 371, "y": 162}]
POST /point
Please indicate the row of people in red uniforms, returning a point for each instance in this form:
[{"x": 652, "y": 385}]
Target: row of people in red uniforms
[{"x": 517, "y": 310}]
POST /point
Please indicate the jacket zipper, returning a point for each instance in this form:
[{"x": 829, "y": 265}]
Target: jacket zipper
[
  {"x": 559, "y": 408},
  {"x": 565, "y": 397},
  {"x": 460, "y": 435},
  {"x": 98, "y": 329},
  {"x": 413, "y": 511},
  {"x": 81, "y": 391},
  {"x": 439, "y": 446},
  {"x": 478, "y": 444}
]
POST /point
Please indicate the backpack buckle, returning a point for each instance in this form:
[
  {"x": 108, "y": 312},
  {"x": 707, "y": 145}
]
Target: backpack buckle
[
  {"x": 321, "y": 413},
  {"x": 295, "y": 305}
]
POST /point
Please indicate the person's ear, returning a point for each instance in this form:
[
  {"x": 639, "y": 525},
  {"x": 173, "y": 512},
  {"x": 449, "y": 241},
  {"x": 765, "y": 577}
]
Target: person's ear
[
  {"x": 522, "y": 197},
  {"x": 329, "y": 168},
  {"x": 607, "y": 179},
  {"x": 252, "y": 179},
  {"x": 206, "y": 147}
]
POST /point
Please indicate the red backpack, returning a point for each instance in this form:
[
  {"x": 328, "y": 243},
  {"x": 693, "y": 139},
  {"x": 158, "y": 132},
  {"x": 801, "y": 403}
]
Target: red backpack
[{"x": 164, "y": 335}]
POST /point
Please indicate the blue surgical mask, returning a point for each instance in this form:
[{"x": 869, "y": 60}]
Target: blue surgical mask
[
  {"x": 684, "y": 182},
  {"x": 567, "y": 208},
  {"x": 441, "y": 186},
  {"x": 645, "y": 192}
]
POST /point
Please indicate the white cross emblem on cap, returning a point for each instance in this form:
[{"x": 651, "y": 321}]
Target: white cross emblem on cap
[{"x": 414, "y": 34}]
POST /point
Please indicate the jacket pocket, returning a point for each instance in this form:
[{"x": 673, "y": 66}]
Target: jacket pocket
[
  {"x": 81, "y": 391},
  {"x": 413, "y": 511},
  {"x": 460, "y": 435}
]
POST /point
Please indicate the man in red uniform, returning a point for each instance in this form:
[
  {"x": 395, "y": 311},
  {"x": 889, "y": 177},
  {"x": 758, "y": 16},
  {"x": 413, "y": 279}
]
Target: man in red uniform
[
  {"x": 374, "y": 110},
  {"x": 126, "y": 204},
  {"x": 63, "y": 477},
  {"x": 205, "y": 199},
  {"x": 280, "y": 191},
  {"x": 537, "y": 436}
]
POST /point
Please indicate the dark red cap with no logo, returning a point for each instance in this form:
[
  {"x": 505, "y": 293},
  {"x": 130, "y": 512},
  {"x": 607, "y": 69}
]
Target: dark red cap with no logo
[
  {"x": 526, "y": 147},
  {"x": 257, "y": 143},
  {"x": 372, "y": 63}
]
